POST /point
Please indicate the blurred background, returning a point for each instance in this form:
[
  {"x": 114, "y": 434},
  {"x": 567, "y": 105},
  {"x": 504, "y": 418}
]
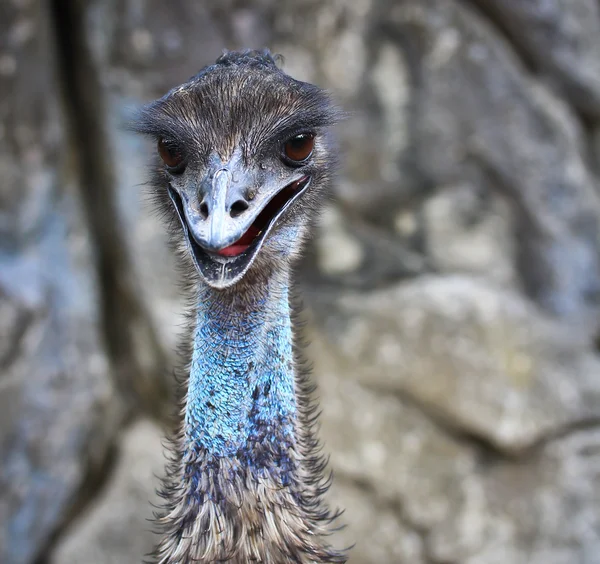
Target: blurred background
[{"x": 452, "y": 291}]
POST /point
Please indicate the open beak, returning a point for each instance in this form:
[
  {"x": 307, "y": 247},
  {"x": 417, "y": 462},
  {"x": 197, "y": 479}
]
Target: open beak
[{"x": 225, "y": 227}]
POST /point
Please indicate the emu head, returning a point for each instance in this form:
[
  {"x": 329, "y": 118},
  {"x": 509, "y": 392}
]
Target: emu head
[{"x": 244, "y": 158}]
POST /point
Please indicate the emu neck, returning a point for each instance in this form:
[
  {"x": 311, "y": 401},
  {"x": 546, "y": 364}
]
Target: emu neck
[
  {"x": 247, "y": 485},
  {"x": 241, "y": 401}
]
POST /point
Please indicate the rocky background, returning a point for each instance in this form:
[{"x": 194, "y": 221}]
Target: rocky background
[{"x": 452, "y": 294}]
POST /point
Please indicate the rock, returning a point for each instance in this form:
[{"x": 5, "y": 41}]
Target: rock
[
  {"x": 471, "y": 234},
  {"x": 439, "y": 103},
  {"x": 454, "y": 288},
  {"x": 58, "y": 410},
  {"x": 483, "y": 120},
  {"x": 443, "y": 498},
  {"x": 483, "y": 359},
  {"x": 560, "y": 39},
  {"x": 137, "y": 357},
  {"x": 375, "y": 532},
  {"x": 388, "y": 446},
  {"x": 515, "y": 511},
  {"x": 117, "y": 527}
]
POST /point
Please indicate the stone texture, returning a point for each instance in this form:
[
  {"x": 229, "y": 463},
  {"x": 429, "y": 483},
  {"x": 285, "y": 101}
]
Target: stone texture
[
  {"x": 482, "y": 358},
  {"x": 514, "y": 512},
  {"x": 559, "y": 39},
  {"x": 483, "y": 120},
  {"x": 57, "y": 408},
  {"x": 454, "y": 286},
  {"x": 376, "y": 532},
  {"x": 445, "y": 119},
  {"x": 412, "y": 490},
  {"x": 137, "y": 356},
  {"x": 117, "y": 528},
  {"x": 452, "y": 499}
]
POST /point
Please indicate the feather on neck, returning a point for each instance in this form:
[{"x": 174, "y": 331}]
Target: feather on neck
[
  {"x": 241, "y": 386},
  {"x": 246, "y": 483}
]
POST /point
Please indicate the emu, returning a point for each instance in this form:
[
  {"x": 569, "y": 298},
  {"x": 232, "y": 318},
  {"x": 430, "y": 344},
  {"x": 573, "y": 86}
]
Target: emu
[{"x": 245, "y": 159}]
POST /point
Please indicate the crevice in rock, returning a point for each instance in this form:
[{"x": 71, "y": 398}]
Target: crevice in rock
[
  {"x": 417, "y": 155},
  {"x": 572, "y": 427},
  {"x": 496, "y": 22},
  {"x": 137, "y": 359},
  {"x": 531, "y": 236},
  {"x": 394, "y": 505},
  {"x": 498, "y": 25},
  {"x": 488, "y": 452},
  {"x": 12, "y": 350},
  {"x": 98, "y": 477}
]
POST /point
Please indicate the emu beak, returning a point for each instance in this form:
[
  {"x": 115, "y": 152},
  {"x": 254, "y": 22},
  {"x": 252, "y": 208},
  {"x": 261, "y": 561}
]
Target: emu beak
[
  {"x": 216, "y": 218},
  {"x": 227, "y": 218}
]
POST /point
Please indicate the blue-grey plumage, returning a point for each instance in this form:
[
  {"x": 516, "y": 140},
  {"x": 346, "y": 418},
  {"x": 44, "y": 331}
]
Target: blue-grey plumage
[{"x": 246, "y": 159}]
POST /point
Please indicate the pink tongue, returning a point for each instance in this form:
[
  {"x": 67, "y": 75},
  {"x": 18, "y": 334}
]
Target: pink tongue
[{"x": 241, "y": 244}]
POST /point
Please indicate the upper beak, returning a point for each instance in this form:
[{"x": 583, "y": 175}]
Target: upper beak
[{"x": 218, "y": 213}]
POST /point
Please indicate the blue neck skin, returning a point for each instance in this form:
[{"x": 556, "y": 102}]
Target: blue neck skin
[{"x": 241, "y": 397}]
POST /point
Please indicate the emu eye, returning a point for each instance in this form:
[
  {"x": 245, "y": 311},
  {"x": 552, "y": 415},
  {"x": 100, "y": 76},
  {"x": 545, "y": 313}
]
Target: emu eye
[
  {"x": 170, "y": 154},
  {"x": 299, "y": 148}
]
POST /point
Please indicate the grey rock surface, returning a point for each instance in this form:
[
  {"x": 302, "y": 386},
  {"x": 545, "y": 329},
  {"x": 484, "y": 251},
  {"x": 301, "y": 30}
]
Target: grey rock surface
[
  {"x": 58, "y": 411},
  {"x": 560, "y": 40},
  {"x": 453, "y": 288},
  {"x": 117, "y": 527},
  {"x": 487, "y": 123},
  {"x": 433, "y": 340},
  {"x": 461, "y": 479}
]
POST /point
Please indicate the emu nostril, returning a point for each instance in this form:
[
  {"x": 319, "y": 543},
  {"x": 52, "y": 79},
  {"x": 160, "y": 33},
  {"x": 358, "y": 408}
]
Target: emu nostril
[
  {"x": 238, "y": 207},
  {"x": 204, "y": 210}
]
